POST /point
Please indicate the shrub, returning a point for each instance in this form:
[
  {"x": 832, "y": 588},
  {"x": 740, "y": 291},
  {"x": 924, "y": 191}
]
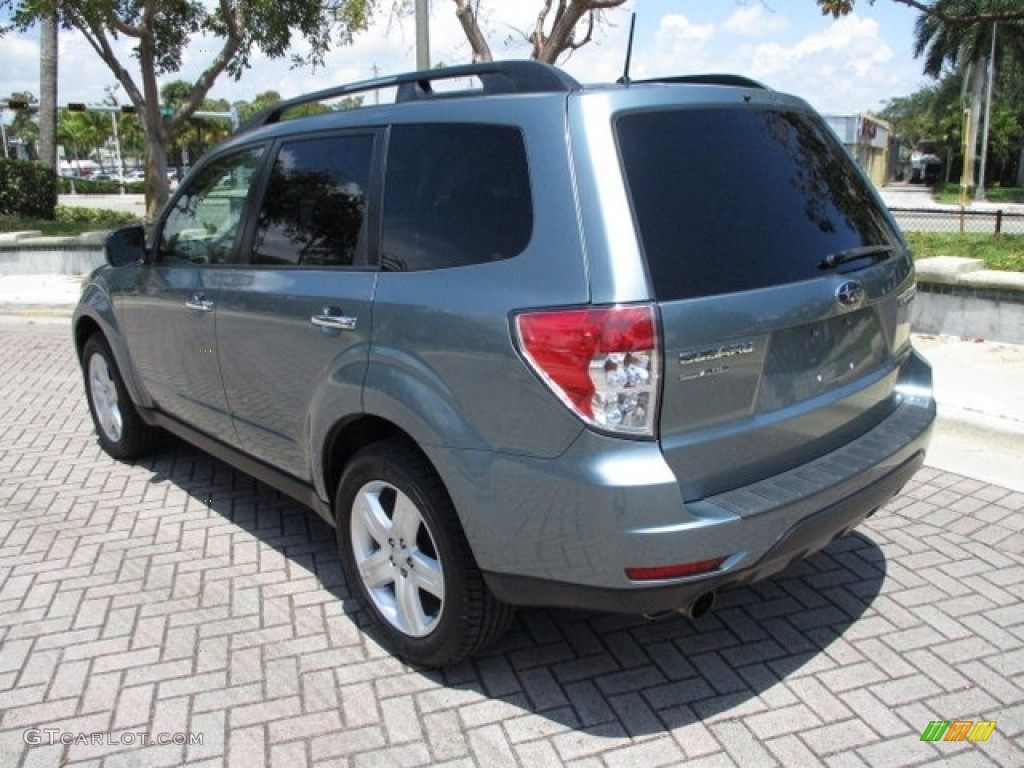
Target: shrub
[
  {"x": 27, "y": 188},
  {"x": 87, "y": 186}
]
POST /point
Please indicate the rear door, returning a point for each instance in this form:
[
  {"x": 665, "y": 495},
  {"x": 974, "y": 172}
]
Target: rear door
[
  {"x": 782, "y": 287},
  {"x": 293, "y": 323}
]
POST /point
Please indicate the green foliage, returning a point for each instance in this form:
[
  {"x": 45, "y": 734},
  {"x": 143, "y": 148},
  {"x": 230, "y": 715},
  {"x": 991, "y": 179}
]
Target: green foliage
[
  {"x": 73, "y": 214},
  {"x": 27, "y": 188},
  {"x": 950, "y": 193},
  {"x": 70, "y": 220},
  {"x": 24, "y": 125},
  {"x": 836, "y": 8},
  {"x": 1004, "y": 253},
  {"x": 953, "y": 12},
  {"x": 195, "y": 136},
  {"x": 87, "y": 186},
  {"x": 935, "y": 113},
  {"x": 156, "y": 36}
]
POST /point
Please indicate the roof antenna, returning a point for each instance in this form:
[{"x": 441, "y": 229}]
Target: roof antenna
[{"x": 624, "y": 80}]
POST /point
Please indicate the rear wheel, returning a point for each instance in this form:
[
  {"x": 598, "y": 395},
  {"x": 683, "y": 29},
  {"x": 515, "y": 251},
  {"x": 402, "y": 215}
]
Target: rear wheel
[
  {"x": 407, "y": 559},
  {"x": 121, "y": 431}
]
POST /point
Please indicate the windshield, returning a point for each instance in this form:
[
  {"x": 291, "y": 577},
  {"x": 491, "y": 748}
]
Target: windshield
[{"x": 737, "y": 199}]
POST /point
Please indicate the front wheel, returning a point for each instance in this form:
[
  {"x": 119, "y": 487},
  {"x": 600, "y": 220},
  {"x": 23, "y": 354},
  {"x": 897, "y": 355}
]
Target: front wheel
[
  {"x": 122, "y": 433},
  {"x": 407, "y": 559}
]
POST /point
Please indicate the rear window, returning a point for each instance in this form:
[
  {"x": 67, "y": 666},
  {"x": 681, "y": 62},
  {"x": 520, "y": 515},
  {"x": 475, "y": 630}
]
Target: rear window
[{"x": 737, "y": 199}]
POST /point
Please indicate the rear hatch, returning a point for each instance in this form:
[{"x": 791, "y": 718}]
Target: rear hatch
[{"x": 783, "y": 288}]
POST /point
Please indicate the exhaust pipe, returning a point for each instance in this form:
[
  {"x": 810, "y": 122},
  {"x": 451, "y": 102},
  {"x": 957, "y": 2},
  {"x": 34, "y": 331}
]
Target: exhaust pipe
[
  {"x": 700, "y": 606},
  {"x": 694, "y": 610}
]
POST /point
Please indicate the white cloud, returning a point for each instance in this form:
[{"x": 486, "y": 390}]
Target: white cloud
[
  {"x": 21, "y": 66},
  {"x": 680, "y": 46},
  {"x": 675, "y": 27},
  {"x": 844, "y": 65},
  {"x": 835, "y": 68},
  {"x": 755, "y": 21}
]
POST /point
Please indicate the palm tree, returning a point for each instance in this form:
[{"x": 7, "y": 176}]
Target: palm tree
[
  {"x": 965, "y": 46},
  {"x": 48, "y": 91}
]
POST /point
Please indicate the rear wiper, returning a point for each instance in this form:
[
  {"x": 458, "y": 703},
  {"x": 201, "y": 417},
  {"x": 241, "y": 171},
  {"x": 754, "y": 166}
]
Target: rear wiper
[{"x": 876, "y": 253}]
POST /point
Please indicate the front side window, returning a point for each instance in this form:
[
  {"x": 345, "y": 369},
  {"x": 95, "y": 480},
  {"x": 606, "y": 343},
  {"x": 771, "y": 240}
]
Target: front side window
[
  {"x": 314, "y": 209},
  {"x": 203, "y": 225},
  {"x": 455, "y": 194}
]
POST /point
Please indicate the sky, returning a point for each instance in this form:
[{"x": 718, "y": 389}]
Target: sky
[{"x": 841, "y": 66}]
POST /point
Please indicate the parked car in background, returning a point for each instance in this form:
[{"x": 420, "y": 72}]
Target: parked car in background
[
  {"x": 925, "y": 164},
  {"x": 535, "y": 343}
]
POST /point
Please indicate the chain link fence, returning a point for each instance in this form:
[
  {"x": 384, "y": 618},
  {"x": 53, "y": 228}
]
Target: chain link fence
[{"x": 994, "y": 222}]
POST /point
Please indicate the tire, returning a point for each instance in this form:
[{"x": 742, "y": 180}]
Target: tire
[
  {"x": 122, "y": 432},
  {"x": 407, "y": 560}
]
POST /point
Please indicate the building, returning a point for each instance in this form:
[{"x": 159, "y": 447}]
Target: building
[{"x": 870, "y": 141}]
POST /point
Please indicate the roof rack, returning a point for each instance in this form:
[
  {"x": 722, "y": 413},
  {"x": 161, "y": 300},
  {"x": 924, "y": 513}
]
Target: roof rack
[
  {"x": 709, "y": 79},
  {"x": 518, "y": 76}
]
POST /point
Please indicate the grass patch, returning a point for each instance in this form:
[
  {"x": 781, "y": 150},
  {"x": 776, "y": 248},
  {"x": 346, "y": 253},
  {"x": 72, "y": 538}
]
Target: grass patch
[
  {"x": 1002, "y": 252},
  {"x": 950, "y": 193},
  {"x": 70, "y": 221}
]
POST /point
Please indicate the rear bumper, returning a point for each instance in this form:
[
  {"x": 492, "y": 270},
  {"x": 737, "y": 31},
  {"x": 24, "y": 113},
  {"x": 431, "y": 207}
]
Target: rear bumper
[
  {"x": 563, "y": 532},
  {"x": 805, "y": 538}
]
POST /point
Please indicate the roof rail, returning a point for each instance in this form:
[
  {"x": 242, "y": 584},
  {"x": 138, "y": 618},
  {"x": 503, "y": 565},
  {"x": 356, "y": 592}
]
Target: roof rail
[
  {"x": 709, "y": 79},
  {"x": 517, "y": 76}
]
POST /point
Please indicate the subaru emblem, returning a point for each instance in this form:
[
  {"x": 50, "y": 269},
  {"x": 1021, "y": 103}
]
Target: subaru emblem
[{"x": 850, "y": 294}]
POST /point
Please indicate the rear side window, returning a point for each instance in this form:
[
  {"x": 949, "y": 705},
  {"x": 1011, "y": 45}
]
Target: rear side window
[
  {"x": 454, "y": 195},
  {"x": 314, "y": 209},
  {"x": 736, "y": 199}
]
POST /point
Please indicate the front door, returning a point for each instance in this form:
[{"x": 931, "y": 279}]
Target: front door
[{"x": 169, "y": 315}]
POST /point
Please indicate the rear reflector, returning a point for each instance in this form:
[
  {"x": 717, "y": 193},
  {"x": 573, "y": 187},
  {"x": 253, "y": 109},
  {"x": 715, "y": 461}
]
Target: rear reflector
[
  {"x": 603, "y": 363},
  {"x": 674, "y": 571}
]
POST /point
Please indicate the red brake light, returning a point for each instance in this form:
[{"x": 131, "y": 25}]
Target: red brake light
[{"x": 601, "y": 362}]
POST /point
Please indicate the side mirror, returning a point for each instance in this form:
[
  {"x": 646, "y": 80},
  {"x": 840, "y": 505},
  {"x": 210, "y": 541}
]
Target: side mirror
[{"x": 126, "y": 246}]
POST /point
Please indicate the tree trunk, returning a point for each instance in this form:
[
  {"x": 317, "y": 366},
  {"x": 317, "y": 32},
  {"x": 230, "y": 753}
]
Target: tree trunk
[
  {"x": 48, "y": 92},
  {"x": 471, "y": 28},
  {"x": 157, "y": 140}
]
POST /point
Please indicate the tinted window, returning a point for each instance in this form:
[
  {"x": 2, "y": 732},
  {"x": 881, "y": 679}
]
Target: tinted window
[
  {"x": 315, "y": 204},
  {"x": 203, "y": 224},
  {"x": 455, "y": 195},
  {"x": 735, "y": 199}
]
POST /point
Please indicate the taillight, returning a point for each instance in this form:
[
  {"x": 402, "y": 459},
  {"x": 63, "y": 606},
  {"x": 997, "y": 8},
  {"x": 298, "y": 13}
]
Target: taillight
[{"x": 603, "y": 363}]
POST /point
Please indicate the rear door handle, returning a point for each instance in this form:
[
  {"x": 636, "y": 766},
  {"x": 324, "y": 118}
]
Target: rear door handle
[
  {"x": 199, "y": 303},
  {"x": 332, "y": 318}
]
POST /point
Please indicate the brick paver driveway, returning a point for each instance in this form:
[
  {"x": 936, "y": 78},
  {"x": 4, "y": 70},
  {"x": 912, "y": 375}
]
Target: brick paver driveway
[{"x": 181, "y": 599}]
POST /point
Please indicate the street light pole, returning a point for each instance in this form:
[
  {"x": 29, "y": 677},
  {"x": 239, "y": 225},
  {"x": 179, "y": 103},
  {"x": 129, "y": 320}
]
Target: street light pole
[
  {"x": 980, "y": 190},
  {"x": 117, "y": 150},
  {"x": 422, "y": 35}
]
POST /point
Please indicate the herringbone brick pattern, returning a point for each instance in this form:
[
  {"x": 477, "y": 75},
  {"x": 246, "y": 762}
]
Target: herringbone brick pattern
[{"x": 179, "y": 596}]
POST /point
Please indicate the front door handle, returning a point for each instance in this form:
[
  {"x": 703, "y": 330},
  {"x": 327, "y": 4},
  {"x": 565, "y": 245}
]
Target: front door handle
[
  {"x": 331, "y": 317},
  {"x": 199, "y": 303}
]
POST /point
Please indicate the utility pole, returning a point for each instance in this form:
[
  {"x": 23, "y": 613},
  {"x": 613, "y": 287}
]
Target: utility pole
[
  {"x": 979, "y": 193},
  {"x": 117, "y": 150},
  {"x": 422, "y": 34}
]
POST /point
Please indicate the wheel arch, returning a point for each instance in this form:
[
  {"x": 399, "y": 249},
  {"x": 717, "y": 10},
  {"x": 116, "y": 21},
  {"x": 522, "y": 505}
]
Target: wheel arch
[
  {"x": 348, "y": 437},
  {"x": 88, "y": 323},
  {"x": 86, "y": 327}
]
